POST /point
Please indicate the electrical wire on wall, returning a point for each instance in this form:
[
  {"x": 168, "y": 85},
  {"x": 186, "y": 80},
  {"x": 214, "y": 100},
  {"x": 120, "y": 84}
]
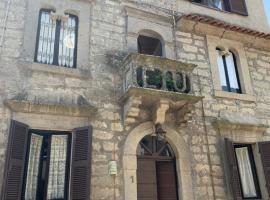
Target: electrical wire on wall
[{"x": 4, "y": 25}]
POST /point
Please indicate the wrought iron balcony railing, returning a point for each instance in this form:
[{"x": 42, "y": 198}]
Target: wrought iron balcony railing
[{"x": 145, "y": 71}]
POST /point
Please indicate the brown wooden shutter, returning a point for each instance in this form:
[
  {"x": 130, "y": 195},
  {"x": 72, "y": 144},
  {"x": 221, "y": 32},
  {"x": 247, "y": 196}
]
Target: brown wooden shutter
[
  {"x": 234, "y": 173},
  {"x": 264, "y": 148},
  {"x": 238, "y": 6},
  {"x": 81, "y": 163},
  {"x": 15, "y": 161}
]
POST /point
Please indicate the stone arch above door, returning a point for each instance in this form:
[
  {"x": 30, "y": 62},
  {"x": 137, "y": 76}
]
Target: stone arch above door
[{"x": 183, "y": 167}]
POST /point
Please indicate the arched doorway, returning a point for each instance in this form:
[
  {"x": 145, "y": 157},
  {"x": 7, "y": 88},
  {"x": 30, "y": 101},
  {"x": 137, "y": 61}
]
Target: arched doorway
[{"x": 156, "y": 171}]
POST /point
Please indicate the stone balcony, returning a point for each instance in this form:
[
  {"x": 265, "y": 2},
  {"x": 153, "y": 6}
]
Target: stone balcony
[{"x": 158, "y": 84}]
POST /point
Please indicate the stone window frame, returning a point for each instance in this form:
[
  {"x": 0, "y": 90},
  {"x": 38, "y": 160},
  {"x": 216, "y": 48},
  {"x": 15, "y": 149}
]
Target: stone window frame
[
  {"x": 59, "y": 19},
  {"x": 156, "y": 25},
  {"x": 182, "y": 155},
  {"x": 242, "y": 67},
  {"x": 82, "y": 10},
  {"x": 243, "y": 134}
]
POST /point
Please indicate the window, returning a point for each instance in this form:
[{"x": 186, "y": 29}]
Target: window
[
  {"x": 149, "y": 45},
  {"x": 247, "y": 171},
  {"x": 244, "y": 170},
  {"x": 39, "y": 164},
  {"x": 57, "y": 39},
  {"x": 234, "y": 6},
  {"x": 46, "y": 172},
  {"x": 218, "y": 4},
  {"x": 227, "y": 65}
]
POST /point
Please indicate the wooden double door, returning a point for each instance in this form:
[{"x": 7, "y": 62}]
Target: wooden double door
[{"x": 156, "y": 173}]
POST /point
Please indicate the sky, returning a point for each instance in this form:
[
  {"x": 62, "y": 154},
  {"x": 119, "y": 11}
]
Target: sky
[{"x": 267, "y": 9}]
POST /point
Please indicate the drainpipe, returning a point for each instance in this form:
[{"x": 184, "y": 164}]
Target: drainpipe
[
  {"x": 4, "y": 24},
  {"x": 174, "y": 35}
]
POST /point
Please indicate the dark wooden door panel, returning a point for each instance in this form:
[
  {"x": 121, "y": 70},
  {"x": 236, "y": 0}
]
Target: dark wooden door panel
[
  {"x": 166, "y": 181},
  {"x": 146, "y": 180},
  {"x": 146, "y": 177}
]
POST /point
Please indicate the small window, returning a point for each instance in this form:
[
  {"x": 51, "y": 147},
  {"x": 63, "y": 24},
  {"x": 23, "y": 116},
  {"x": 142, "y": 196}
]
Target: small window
[
  {"x": 47, "y": 168},
  {"x": 218, "y": 4},
  {"x": 150, "y": 46},
  {"x": 57, "y": 39},
  {"x": 247, "y": 171},
  {"x": 229, "y": 78},
  {"x": 235, "y": 6}
]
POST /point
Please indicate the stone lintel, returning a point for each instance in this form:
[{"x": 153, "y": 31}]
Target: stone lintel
[
  {"x": 238, "y": 121},
  {"x": 51, "y": 109}
]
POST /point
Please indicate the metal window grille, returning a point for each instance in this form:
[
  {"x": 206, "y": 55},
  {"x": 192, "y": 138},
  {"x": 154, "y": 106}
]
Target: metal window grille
[{"x": 57, "y": 39}]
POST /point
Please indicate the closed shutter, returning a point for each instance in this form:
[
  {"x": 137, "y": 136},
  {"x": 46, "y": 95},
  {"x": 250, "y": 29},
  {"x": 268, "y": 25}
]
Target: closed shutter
[
  {"x": 15, "y": 161},
  {"x": 264, "y": 148},
  {"x": 234, "y": 173},
  {"x": 81, "y": 163},
  {"x": 238, "y": 6}
]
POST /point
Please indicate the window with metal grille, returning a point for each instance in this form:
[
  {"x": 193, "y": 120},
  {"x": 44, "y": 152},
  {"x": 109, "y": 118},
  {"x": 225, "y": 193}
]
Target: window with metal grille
[
  {"x": 57, "y": 39},
  {"x": 227, "y": 65}
]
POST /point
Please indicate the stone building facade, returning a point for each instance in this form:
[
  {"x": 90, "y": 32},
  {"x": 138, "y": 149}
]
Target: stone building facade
[{"x": 108, "y": 88}]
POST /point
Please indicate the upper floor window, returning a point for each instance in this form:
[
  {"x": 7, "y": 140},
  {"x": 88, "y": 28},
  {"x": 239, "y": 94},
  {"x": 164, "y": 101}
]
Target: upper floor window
[
  {"x": 149, "y": 45},
  {"x": 218, "y": 4},
  {"x": 234, "y": 6},
  {"x": 57, "y": 39},
  {"x": 229, "y": 77}
]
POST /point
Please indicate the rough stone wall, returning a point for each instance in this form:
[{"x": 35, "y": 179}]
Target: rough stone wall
[
  {"x": 11, "y": 77},
  {"x": 100, "y": 84},
  {"x": 208, "y": 160}
]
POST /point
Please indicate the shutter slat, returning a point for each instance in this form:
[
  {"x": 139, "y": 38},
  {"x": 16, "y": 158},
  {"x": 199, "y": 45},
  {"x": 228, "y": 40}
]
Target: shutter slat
[
  {"x": 16, "y": 153},
  {"x": 234, "y": 173},
  {"x": 81, "y": 164},
  {"x": 238, "y": 6},
  {"x": 264, "y": 148}
]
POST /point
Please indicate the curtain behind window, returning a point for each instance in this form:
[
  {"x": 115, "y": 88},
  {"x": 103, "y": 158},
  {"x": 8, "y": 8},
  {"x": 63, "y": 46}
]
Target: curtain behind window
[
  {"x": 45, "y": 51},
  {"x": 232, "y": 71},
  {"x": 245, "y": 170},
  {"x": 57, "y": 170},
  {"x": 33, "y": 167},
  {"x": 67, "y": 42},
  {"x": 221, "y": 69}
]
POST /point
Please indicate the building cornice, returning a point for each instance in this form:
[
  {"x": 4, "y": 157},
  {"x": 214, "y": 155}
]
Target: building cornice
[{"x": 206, "y": 25}]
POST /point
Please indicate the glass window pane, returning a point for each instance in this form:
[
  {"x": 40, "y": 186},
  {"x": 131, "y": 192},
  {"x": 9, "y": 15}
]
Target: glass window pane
[
  {"x": 67, "y": 42},
  {"x": 245, "y": 170},
  {"x": 221, "y": 69},
  {"x": 216, "y": 4},
  {"x": 33, "y": 167},
  {"x": 57, "y": 169},
  {"x": 232, "y": 72},
  {"x": 46, "y": 39}
]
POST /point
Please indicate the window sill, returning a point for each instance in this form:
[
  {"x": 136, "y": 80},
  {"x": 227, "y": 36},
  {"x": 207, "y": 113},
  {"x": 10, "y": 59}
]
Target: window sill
[
  {"x": 231, "y": 95},
  {"x": 54, "y": 69}
]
